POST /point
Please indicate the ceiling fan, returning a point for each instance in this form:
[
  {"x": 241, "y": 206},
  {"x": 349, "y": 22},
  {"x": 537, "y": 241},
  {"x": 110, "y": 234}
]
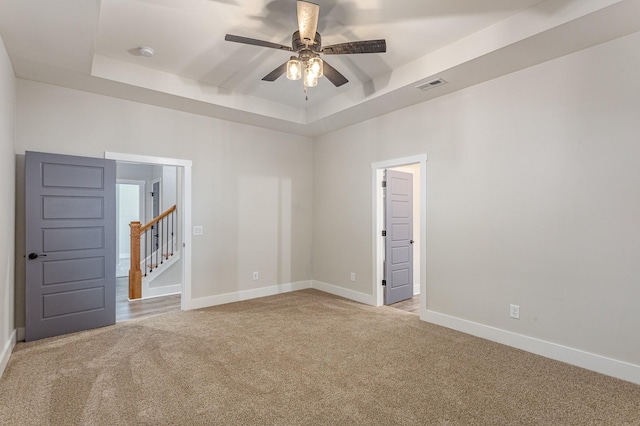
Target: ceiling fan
[{"x": 307, "y": 43}]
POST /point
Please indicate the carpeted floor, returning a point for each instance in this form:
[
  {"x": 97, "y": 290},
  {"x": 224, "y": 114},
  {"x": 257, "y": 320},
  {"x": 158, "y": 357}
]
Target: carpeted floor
[{"x": 302, "y": 358}]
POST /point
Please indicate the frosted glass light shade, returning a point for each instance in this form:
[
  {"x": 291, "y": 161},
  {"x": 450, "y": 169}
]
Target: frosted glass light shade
[
  {"x": 294, "y": 69},
  {"x": 310, "y": 80},
  {"x": 316, "y": 66}
]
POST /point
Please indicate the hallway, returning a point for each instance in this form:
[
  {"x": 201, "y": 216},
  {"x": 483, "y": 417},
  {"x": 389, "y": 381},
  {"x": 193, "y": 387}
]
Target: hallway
[
  {"x": 126, "y": 310},
  {"x": 410, "y": 305}
]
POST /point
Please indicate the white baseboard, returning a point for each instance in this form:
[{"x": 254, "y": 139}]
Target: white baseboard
[
  {"x": 221, "y": 299},
  {"x": 6, "y": 352},
  {"x": 600, "y": 364},
  {"x": 151, "y": 292},
  {"x": 367, "y": 299}
]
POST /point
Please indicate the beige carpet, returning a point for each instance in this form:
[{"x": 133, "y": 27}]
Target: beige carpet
[{"x": 303, "y": 358}]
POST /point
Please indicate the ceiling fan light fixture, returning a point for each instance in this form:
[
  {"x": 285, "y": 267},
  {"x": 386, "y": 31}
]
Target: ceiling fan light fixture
[
  {"x": 316, "y": 66},
  {"x": 306, "y": 42},
  {"x": 294, "y": 69},
  {"x": 310, "y": 80}
]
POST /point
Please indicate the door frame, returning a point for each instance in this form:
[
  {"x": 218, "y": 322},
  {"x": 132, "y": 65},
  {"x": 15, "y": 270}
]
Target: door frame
[
  {"x": 184, "y": 202},
  {"x": 377, "y": 173}
]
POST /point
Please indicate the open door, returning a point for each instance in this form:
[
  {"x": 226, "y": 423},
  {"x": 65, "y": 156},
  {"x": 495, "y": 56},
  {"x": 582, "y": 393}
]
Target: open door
[
  {"x": 398, "y": 219},
  {"x": 70, "y": 243}
]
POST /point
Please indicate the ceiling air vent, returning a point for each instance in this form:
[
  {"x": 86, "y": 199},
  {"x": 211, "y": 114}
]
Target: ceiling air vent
[{"x": 431, "y": 84}]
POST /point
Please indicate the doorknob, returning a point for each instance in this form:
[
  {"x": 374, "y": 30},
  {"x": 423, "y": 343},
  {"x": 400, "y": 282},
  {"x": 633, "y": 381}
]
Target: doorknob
[
  {"x": 35, "y": 255},
  {"x": 410, "y": 241}
]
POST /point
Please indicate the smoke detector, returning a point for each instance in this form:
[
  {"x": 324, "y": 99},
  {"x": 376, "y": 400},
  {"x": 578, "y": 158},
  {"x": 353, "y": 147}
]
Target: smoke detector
[{"x": 146, "y": 51}]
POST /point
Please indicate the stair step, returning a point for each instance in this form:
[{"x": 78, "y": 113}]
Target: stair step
[
  {"x": 155, "y": 265},
  {"x": 166, "y": 256}
]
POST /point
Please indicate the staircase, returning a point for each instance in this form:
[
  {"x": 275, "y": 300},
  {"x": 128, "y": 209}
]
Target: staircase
[{"x": 154, "y": 249}]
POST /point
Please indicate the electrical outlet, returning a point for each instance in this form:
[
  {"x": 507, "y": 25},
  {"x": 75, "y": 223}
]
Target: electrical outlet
[
  {"x": 353, "y": 276},
  {"x": 197, "y": 230},
  {"x": 255, "y": 275},
  {"x": 514, "y": 311}
]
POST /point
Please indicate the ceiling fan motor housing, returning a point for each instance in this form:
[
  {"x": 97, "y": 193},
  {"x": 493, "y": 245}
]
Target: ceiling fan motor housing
[{"x": 298, "y": 44}]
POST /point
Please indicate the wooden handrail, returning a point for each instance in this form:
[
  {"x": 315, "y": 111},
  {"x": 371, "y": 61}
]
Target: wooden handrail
[{"x": 157, "y": 219}]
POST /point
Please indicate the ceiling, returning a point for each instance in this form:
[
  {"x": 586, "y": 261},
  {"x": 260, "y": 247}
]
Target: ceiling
[{"x": 92, "y": 45}]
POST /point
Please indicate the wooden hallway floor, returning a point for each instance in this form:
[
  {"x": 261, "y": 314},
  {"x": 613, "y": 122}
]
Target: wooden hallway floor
[
  {"x": 410, "y": 305},
  {"x": 126, "y": 310}
]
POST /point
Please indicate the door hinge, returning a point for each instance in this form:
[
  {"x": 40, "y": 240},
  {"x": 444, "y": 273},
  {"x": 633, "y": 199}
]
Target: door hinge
[
  {"x": 384, "y": 183},
  {"x": 384, "y": 233},
  {"x": 384, "y": 283}
]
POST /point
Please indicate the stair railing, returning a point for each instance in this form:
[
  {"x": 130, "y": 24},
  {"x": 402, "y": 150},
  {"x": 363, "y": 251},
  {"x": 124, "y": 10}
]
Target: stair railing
[{"x": 157, "y": 240}]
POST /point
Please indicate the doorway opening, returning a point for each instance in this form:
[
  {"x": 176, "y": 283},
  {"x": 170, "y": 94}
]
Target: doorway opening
[
  {"x": 174, "y": 176},
  {"x": 417, "y": 166}
]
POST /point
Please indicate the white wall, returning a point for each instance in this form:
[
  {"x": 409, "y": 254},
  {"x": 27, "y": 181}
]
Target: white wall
[
  {"x": 532, "y": 199},
  {"x": 228, "y": 158},
  {"x": 7, "y": 212}
]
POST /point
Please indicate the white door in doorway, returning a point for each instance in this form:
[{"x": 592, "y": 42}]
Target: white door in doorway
[{"x": 130, "y": 208}]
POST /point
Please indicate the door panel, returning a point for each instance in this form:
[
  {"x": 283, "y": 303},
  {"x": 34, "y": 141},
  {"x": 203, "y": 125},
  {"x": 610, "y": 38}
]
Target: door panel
[
  {"x": 58, "y": 207},
  {"x": 73, "y": 302},
  {"x": 71, "y": 176},
  {"x": 399, "y": 279},
  {"x": 398, "y": 242},
  {"x": 63, "y": 239},
  {"x": 72, "y": 270},
  {"x": 70, "y": 241},
  {"x": 400, "y": 254}
]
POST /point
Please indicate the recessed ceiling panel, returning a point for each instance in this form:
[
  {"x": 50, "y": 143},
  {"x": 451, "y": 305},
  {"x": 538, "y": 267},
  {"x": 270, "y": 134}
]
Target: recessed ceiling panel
[{"x": 188, "y": 38}]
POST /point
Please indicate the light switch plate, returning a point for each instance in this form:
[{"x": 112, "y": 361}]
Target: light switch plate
[{"x": 514, "y": 311}]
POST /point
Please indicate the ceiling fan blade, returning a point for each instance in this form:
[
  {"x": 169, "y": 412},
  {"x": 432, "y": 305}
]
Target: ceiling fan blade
[
  {"x": 333, "y": 75},
  {"x": 308, "y": 20},
  {"x": 254, "y": 42},
  {"x": 367, "y": 46},
  {"x": 273, "y": 75}
]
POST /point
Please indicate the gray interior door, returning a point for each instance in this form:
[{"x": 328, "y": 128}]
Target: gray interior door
[
  {"x": 398, "y": 217},
  {"x": 155, "y": 198},
  {"x": 70, "y": 242}
]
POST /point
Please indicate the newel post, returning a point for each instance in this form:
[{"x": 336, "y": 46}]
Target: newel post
[{"x": 135, "y": 274}]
